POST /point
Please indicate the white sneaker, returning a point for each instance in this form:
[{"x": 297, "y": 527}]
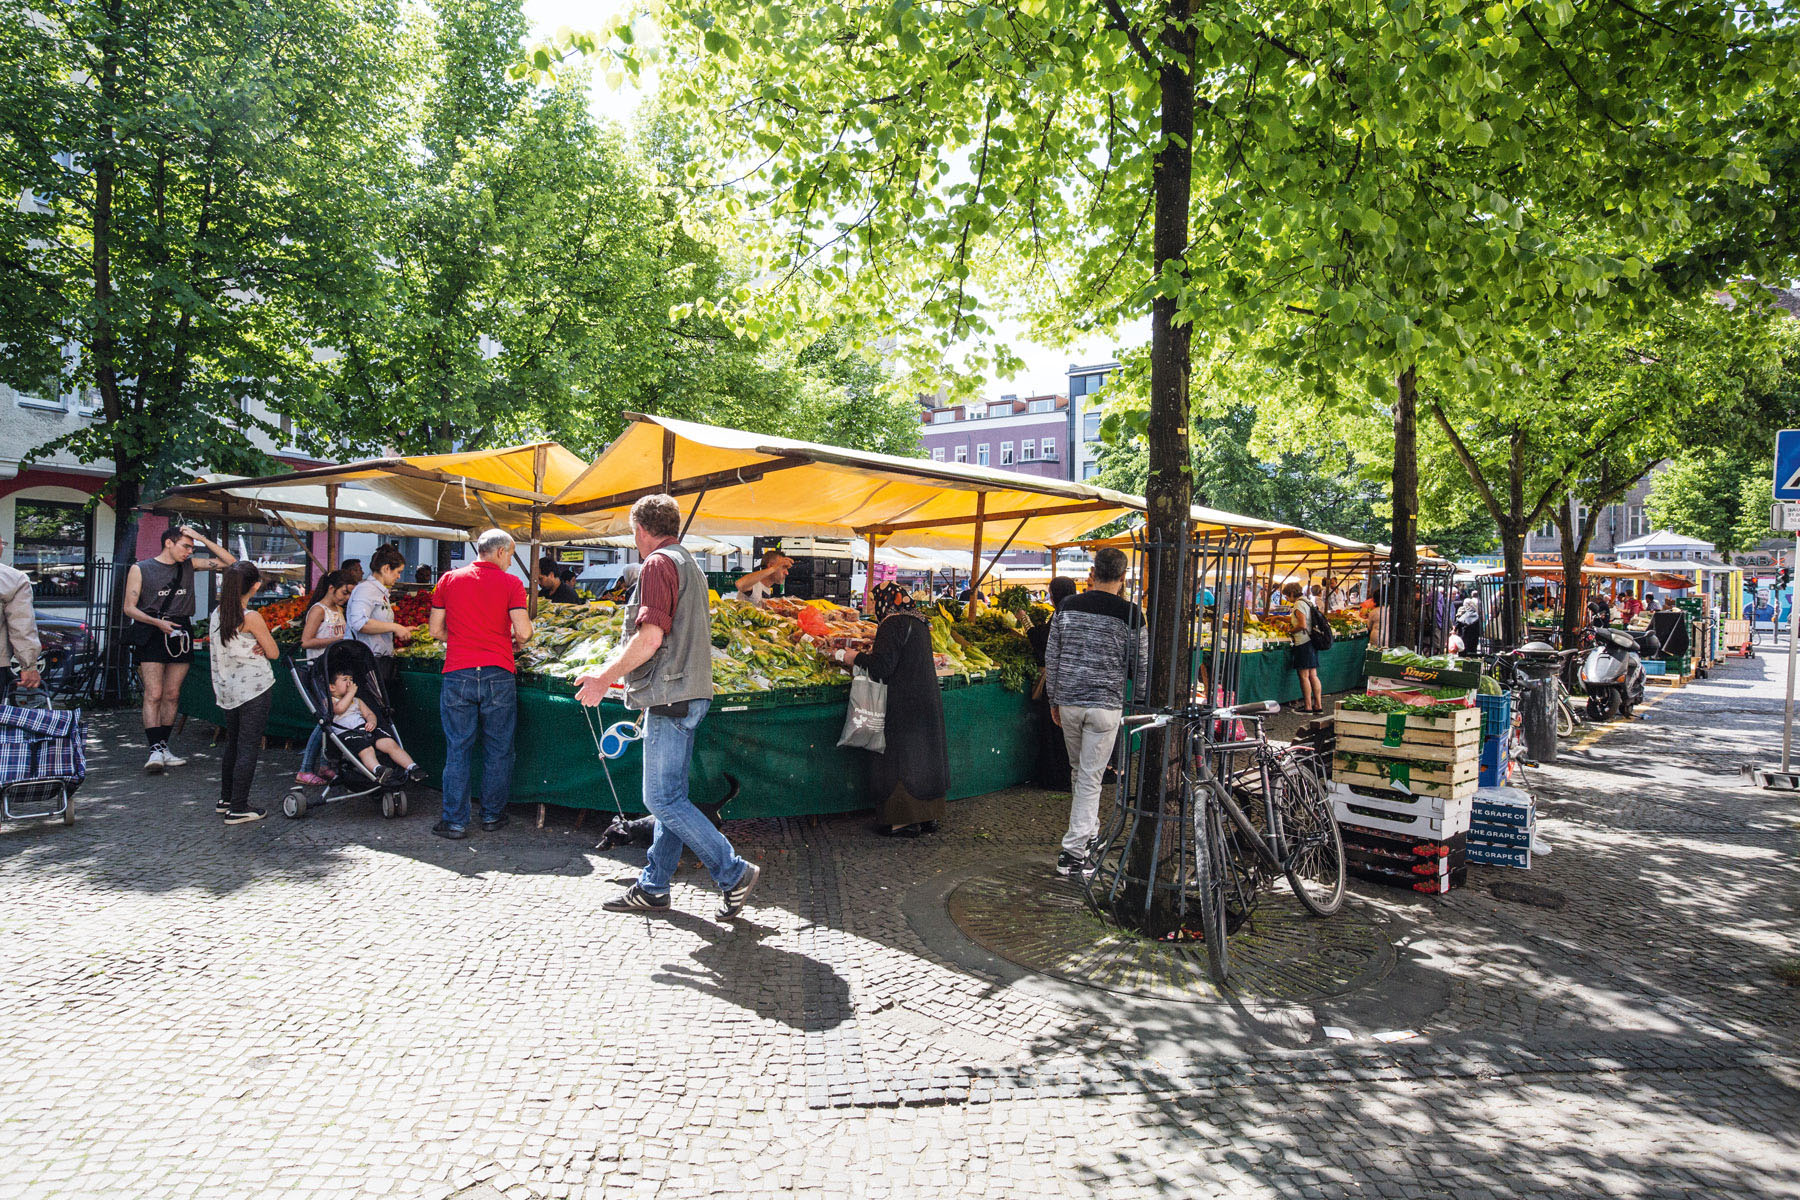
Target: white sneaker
[
  {"x": 169, "y": 759},
  {"x": 157, "y": 761}
]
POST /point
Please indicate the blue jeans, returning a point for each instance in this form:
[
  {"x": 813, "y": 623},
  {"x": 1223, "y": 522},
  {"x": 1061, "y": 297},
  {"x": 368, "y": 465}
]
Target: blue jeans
[
  {"x": 668, "y": 746},
  {"x": 484, "y": 699},
  {"x": 315, "y": 746}
]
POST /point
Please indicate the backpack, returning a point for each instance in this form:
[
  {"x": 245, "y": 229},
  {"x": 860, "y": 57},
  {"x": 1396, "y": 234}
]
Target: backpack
[{"x": 1318, "y": 629}]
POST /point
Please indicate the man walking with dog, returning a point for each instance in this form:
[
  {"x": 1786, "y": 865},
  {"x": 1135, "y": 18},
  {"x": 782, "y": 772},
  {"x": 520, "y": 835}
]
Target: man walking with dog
[{"x": 666, "y": 666}]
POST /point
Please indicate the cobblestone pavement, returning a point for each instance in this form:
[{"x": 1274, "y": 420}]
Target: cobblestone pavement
[{"x": 345, "y": 1006}]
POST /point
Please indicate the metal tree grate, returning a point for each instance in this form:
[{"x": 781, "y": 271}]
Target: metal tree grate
[{"x": 1143, "y": 877}]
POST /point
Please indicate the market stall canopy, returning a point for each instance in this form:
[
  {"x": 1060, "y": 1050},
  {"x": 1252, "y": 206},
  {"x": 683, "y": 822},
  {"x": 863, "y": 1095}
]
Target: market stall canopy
[
  {"x": 1276, "y": 549},
  {"x": 695, "y": 545},
  {"x": 466, "y": 491},
  {"x": 731, "y": 482},
  {"x": 1592, "y": 570},
  {"x": 304, "y": 508}
]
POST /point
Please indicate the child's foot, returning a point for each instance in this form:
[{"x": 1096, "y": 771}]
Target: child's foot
[
  {"x": 311, "y": 779},
  {"x": 415, "y": 774}
]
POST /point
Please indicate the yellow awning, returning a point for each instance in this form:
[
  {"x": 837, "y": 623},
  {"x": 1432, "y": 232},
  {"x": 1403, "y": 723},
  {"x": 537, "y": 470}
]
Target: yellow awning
[{"x": 735, "y": 482}]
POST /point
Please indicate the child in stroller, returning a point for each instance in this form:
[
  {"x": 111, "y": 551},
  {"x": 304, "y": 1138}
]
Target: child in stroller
[{"x": 362, "y": 735}]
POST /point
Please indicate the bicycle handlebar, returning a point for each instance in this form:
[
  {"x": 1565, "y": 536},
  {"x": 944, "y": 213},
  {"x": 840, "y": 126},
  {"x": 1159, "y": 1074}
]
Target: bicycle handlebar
[{"x": 1256, "y": 708}]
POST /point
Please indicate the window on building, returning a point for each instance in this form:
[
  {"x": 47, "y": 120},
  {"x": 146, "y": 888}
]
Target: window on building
[
  {"x": 1041, "y": 406},
  {"x": 52, "y": 543},
  {"x": 1634, "y": 521},
  {"x": 962, "y": 454},
  {"x": 1006, "y": 454},
  {"x": 1049, "y": 450},
  {"x": 1001, "y": 408},
  {"x": 937, "y": 454},
  {"x": 1086, "y": 385},
  {"x": 1090, "y": 427},
  {"x": 1028, "y": 450},
  {"x": 981, "y": 455},
  {"x": 1547, "y": 529},
  {"x": 1581, "y": 516},
  {"x": 943, "y": 416},
  {"x": 1089, "y": 469}
]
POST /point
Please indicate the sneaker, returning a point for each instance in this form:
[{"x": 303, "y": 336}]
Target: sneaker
[
  {"x": 170, "y": 759},
  {"x": 731, "y": 901},
  {"x": 156, "y": 762},
  {"x": 495, "y": 825},
  {"x": 1070, "y": 864},
  {"x": 243, "y": 816},
  {"x": 415, "y": 774},
  {"x": 445, "y": 829},
  {"x": 222, "y": 807},
  {"x": 311, "y": 779},
  {"x": 388, "y": 775},
  {"x": 636, "y": 899}
]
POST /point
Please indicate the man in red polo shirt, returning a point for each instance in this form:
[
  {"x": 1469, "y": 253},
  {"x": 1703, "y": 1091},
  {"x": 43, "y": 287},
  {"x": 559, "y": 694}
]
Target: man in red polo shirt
[{"x": 479, "y": 612}]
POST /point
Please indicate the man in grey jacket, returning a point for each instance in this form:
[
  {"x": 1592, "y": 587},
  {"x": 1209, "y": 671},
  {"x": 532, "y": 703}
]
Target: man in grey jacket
[
  {"x": 1098, "y": 641},
  {"x": 666, "y": 667}
]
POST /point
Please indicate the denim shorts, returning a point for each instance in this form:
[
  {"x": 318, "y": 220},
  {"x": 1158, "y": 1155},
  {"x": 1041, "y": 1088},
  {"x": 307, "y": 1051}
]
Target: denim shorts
[{"x": 1305, "y": 657}]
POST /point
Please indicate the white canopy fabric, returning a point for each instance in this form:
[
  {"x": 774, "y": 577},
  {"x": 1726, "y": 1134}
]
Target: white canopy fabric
[{"x": 359, "y": 509}]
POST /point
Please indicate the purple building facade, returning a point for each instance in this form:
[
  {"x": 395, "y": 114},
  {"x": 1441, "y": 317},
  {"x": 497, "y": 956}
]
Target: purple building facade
[{"x": 1029, "y": 435}]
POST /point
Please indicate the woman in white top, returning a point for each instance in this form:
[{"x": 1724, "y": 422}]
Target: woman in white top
[
  {"x": 244, "y": 685},
  {"x": 1306, "y": 658},
  {"x": 326, "y": 622}
]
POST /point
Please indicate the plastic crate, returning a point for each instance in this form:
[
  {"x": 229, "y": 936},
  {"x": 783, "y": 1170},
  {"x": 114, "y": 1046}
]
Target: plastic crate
[
  {"x": 1655, "y": 666},
  {"x": 1493, "y": 765},
  {"x": 1496, "y": 716}
]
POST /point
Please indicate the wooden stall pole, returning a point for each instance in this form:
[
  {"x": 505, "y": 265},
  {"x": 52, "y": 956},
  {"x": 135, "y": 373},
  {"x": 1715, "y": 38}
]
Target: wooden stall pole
[
  {"x": 668, "y": 480},
  {"x": 975, "y": 569},
  {"x": 869, "y": 579},
  {"x": 331, "y": 529}
]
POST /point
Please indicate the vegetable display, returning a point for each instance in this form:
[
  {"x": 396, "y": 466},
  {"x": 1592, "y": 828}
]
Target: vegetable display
[
  {"x": 998, "y": 638},
  {"x": 281, "y": 613},
  {"x": 1375, "y": 702}
]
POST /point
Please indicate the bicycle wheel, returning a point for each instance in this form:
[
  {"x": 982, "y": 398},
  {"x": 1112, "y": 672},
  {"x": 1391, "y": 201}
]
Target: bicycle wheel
[
  {"x": 1565, "y": 718},
  {"x": 1312, "y": 845},
  {"x": 1210, "y": 879}
]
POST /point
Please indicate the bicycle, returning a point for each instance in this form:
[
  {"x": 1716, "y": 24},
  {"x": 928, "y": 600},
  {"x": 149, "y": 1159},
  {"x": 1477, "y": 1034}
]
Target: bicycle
[{"x": 1233, "y": 864}]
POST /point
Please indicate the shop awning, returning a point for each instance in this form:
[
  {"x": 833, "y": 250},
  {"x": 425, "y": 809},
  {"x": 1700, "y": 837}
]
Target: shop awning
[
  {"x": 305, "y": 508},
  {"x": 465, "y": 491},
  {"x": 730, "y": 481}
]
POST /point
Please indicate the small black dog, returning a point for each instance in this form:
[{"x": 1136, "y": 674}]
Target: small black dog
[{"x": 637, "y": 831}]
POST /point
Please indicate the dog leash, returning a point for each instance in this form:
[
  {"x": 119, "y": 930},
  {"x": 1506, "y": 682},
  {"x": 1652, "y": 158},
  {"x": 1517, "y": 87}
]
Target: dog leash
[{"x": 616, "y": 736}]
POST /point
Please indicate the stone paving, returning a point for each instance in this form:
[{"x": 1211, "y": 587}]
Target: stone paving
[{"x": 345, "y": 1006}]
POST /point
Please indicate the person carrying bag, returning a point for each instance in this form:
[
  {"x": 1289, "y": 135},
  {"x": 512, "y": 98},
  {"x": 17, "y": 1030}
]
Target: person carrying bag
[{"x": 909, "y": 778}]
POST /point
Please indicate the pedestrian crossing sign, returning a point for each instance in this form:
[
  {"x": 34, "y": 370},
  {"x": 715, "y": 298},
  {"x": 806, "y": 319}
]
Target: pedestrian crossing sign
[{"x": 1787, "y": 464}]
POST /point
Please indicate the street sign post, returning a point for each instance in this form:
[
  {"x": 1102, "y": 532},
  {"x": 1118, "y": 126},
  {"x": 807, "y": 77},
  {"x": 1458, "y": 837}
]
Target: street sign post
[{"x": 1784, "y": 517}]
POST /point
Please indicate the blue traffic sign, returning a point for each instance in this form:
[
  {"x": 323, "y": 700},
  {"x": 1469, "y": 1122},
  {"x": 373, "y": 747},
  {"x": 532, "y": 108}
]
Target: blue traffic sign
[{"x": 1787, "y": 464}]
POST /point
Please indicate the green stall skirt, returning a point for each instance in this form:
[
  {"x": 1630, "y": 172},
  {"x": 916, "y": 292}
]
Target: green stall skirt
[
  {"x": 1269, "y": 674},
  {"x": 777, "y": 752},
  {"x": 288, "y": 715}
]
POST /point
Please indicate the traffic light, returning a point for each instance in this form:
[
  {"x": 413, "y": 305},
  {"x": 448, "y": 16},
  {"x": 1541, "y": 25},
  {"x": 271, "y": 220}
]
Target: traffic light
[{"x": 1787, "y": 575}]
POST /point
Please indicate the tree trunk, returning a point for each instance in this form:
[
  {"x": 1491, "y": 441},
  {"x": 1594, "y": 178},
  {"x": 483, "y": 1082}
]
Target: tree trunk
[
  {"x": 1403, "y": 565},
  {"x": 127, "y": 489},
  {"x": 1169, "y": 490},
  {"x": 1512, "y": 586}
]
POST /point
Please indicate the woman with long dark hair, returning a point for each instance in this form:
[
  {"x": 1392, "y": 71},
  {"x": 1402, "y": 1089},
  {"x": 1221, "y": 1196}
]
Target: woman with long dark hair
[
  {"x": 243, "y": 684},
  {"x": 325, "y": 624},
  {"x": 908, "y": 783}
]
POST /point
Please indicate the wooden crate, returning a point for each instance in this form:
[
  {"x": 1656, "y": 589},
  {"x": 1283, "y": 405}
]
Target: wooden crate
[
  {"x": 1449, "y": 781},
  {"x": 1421, "y": 745},
  {"x": 1380, "y": 725}
]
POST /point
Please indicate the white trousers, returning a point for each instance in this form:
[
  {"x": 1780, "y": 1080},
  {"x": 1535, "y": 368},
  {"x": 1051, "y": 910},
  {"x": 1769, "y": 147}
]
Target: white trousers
[{"x": 1089, "y": 734}]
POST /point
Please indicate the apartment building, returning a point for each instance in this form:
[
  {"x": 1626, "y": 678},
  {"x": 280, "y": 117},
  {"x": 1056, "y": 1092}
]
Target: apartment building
[
  {"x": 1625, "y": 521},
  {"x": 1025, "y": 434},
  {"x": 1085, "y": 383}
]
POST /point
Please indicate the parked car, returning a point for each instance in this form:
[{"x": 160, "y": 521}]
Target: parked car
[{"x": 71, "y": 650}]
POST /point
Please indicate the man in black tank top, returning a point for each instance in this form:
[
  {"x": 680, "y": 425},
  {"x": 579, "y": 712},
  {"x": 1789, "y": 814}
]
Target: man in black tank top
[{"x": 159, "y": 602}]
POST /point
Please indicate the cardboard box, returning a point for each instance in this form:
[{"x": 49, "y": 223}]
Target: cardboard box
[{"x": 1500, "y": 856}]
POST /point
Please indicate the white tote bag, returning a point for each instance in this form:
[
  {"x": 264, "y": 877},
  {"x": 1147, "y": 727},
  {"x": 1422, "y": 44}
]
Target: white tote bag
[{"x": 865, "y": 720}]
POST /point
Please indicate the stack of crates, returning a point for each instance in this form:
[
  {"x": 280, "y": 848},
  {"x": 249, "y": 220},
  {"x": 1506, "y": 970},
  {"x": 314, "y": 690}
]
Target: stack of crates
[
  {"x": 1500, "y": 830},
  {"x": 1403, "y": 795},
  {"x": 1496, "y": 731}
]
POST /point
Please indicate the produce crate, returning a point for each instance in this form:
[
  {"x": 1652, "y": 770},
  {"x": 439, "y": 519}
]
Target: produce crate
[
  {"x": 1453, "y": 778},
  {"x": 1426, "y": 817},
  {"x": 1505, "y": 806},
  {"x": 1496, "y": 716},
  {"x": 1434, "y": 886},
  {"x": 1500, "y": 856},
  {"x": 1419, "y": 868},
  {"x": 1655, "y": 666},
  {"x": 1495, "y": 766},
  {"x": 1490, "y": 834},
  {"x": 1395, "y": 735}
]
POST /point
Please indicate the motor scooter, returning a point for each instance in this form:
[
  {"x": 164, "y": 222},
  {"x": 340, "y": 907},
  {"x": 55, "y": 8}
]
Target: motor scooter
[{"x": 1612, "y": 674}]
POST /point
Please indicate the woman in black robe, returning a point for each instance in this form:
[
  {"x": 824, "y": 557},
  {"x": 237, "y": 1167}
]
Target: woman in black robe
[
  {"x": 1052, "y": 768},
  {"x": 909, "y": 782}
]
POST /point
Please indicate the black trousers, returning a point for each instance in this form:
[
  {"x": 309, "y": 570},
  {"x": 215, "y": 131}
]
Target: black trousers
[{"x": 243, "y": 743}]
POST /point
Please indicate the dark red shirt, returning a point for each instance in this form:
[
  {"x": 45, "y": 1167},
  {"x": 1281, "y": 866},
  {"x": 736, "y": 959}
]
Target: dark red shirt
[
  {"x": 478, "y": 602},
  {"x": 658, "y": 585}
]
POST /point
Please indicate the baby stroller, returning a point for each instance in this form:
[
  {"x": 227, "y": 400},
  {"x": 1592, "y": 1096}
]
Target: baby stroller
[
  {"x": 41, "y": 761},
  {"x": 312, "y": 678}
]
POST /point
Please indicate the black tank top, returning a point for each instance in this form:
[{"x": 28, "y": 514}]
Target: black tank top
[{"x": 166, "y": 590}]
